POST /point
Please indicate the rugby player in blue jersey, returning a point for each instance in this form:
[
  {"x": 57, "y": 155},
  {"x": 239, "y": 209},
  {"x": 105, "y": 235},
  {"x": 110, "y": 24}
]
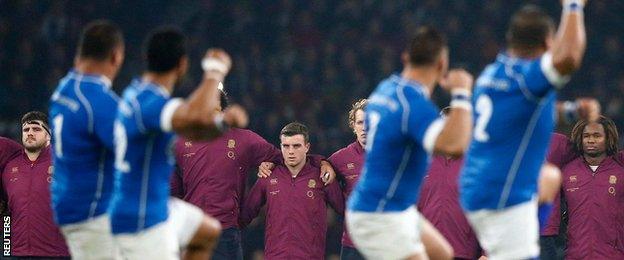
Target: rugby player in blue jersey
[
  {"x": 82, "y": 112},
  {"x": 146, "y": 222},
  {"x": 403, "y": 130},
  {"x": 514, "y": 100}
]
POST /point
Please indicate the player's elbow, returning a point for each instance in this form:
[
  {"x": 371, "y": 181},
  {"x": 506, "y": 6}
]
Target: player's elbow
[
  {"x": 450, "y": 149},
  {"x": 568, "y": 62},
  {"x": 197, "y": 126}
]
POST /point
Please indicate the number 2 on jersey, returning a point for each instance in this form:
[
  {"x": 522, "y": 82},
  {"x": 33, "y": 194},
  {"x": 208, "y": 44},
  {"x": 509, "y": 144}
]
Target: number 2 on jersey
[
  {"x": 484, "y": 113},
  {"x": 121, "y": 146}
]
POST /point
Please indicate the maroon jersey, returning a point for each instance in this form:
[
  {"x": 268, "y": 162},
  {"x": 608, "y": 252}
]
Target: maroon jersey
[
  {"x": 212, "y": 174},
  {"x": 595, "y": 217},
  {"x": 26, "y": 183},
  {"x": 347, "y": 163},
  {"x": 560, "y": 151},
  {"x": 296, "y": 218},
  {"x": 8, "y": 150},
  {"x": 439, "y": 203}
]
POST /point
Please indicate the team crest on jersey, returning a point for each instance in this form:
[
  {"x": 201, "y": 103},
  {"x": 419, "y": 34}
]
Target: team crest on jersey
[
  {"x": 573, "y": 178},
  {"x": 311, "y": 184},
  {"x": 350, "y": 166},
  {"x": 188, "y": 144},
  {"x": 612, "y": 179},
  {"x": 14, "y": 169},
  {"x": 231, "y": 144},
  {"x": 273, "y": 181},
  {"x": 50, "y": 169}
]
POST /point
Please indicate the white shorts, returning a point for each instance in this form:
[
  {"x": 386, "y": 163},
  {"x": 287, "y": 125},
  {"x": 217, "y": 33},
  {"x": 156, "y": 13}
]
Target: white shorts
[
  {"x": 386, "y": 235},
  {"x": 91, "y": 239},
  {"x": 510, "y": 233},
  {"x": 164, "y": 240}
]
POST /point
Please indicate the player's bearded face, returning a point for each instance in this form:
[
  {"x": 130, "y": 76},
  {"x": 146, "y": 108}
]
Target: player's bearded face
[
  {"x": 358, "y": 127},
  {"x": 294, "y": 149},
  {"x": 34, "y": 137},
  {"x": 594, "y": 143}
]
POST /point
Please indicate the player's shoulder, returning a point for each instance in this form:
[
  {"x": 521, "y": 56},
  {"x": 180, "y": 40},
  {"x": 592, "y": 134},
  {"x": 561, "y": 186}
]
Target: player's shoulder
[
  {"x": 346, "y": 151},
  {"x": 7, "y": 143}
]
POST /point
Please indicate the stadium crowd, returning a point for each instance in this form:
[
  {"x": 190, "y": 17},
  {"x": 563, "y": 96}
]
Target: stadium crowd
[{"x": 301, "y": 61}]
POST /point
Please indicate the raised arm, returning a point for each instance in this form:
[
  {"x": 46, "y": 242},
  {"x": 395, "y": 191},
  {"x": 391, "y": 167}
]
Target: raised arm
[
  {"x": 198, "y": 117},
  {"x": 569, "y": 45},
  {"x": 454, "y": 137}
]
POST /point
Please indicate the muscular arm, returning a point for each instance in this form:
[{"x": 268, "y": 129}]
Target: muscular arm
[{"x": 570, "y": 42}]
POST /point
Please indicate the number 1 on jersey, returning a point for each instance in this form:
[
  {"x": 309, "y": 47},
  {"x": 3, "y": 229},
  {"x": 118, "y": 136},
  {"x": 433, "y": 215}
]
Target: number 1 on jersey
[
  {"x": 58, "y": 134},
  {"x": 373, "y": 121},
  {"x": 484, "y": 113}
]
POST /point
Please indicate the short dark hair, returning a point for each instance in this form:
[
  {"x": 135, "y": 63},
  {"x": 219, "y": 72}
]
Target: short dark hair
[
  {"x": 33, "y": 116},
  {"x": 529, "y": 28},
  {"x": 426, "y": 46},
  {"x": 611, "y": 135},
  {"x": 164, "y": 48},
  {"x": 223, "y": 97},
  {"x": 296, "y": 128},
  {"x": 99, "y": 39}
]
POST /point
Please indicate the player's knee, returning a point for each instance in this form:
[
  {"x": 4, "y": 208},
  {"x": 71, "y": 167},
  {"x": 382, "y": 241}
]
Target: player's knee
[
  {"x": 444, "y": 252},
  {"x": 206, "y": 235}
]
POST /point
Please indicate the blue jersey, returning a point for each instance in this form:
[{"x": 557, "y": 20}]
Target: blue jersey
[
  {"x": 144, "y": 160},
  {"x": 514, "y": 119},
  {"x": 402, "y": 125},
  {"x": 82, "y": 112}
]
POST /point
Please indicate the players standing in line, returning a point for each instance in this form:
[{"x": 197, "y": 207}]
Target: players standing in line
[
  {"x": 404, "y": 128},
  {"x": 296, "y": 199},
  {"x": 212, "y": 175},
  {"x": 514, "y": 101},
  {"x": 439, "y": 203},
  {"x": 348, "y": 163},
  {"x": 26, "y": 182},
  {"x": 146, "y": 223},
  {"x": 591, "y": 188},
  {"x": 82, "y": 111}
]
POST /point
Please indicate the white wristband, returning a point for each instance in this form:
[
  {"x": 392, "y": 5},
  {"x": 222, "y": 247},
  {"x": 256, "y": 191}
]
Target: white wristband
[
  {"x": 573, "y": 5},
  {"x": 219, "y": 123},
  {"x": 209, "y": 64},
  {"x": 461, "y": 92},
  {"x": 463, "y": 104}
]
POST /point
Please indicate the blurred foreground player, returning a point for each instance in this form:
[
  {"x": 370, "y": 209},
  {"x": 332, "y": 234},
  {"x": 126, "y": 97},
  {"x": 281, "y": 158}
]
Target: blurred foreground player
[
  {"x": 514, "y": 105},
  {"x": 403, "y": 129},
  {"x": 82, "y": 112},
  {"x": 146, "y": 223}
]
